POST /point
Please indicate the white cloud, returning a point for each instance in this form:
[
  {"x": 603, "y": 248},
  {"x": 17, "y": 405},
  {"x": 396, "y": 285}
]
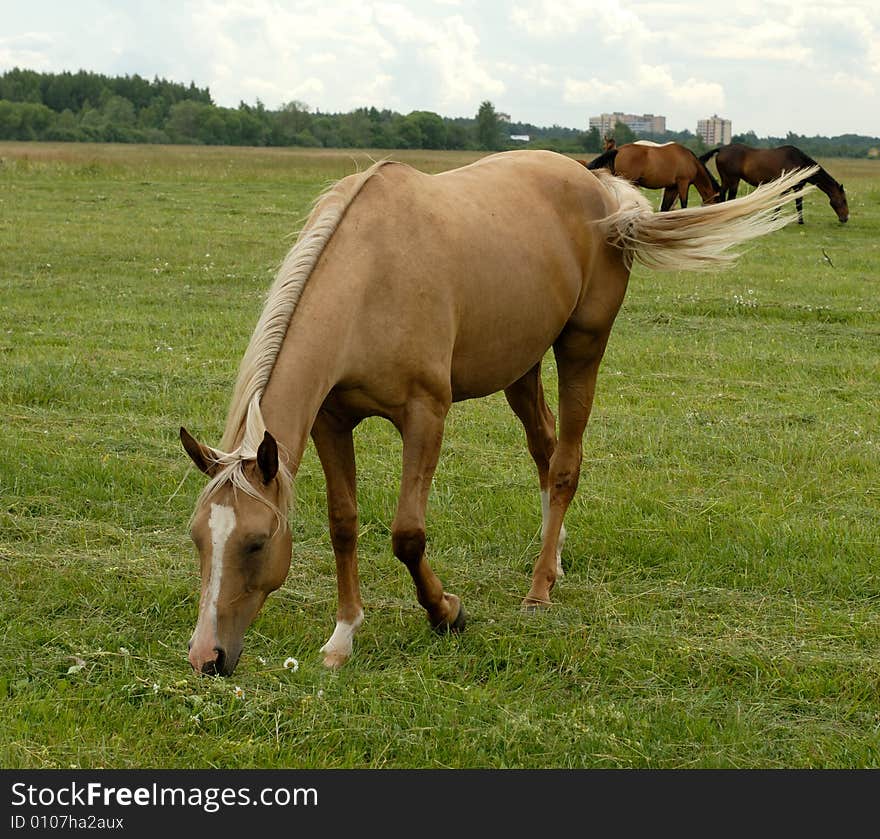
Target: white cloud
[
  {"x": 541, "y": 60},
  {"x": 646, "y": 84},
  {"x": 449, "y": 48},
  {"x": 549, "y": 19},
  {"x": 28, "y": 50}
]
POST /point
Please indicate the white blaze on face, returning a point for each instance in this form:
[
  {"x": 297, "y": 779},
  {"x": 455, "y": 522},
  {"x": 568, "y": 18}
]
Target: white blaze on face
[
  {"x": 545, "y": 514},
  {"x": 221, "y": 523}
]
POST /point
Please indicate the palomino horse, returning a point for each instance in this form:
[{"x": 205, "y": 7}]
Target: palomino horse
[
  {"x": 738, "y": 162},
  {"x": 670, "y": 167},
  {"x": 404, "y": 293}
]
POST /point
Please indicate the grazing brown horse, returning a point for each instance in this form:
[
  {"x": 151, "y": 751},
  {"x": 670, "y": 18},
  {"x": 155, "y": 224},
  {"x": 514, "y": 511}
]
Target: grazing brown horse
[
  {"x": 737, "y": 162},
  {"x": 406, "y": 292},
  {"x": 670, "y": 167}
]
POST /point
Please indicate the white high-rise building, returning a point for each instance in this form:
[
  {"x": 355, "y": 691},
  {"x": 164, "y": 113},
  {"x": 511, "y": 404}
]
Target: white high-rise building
[
  {"x": 715, "y": 131},
  {"x": 639, "y": 123}
]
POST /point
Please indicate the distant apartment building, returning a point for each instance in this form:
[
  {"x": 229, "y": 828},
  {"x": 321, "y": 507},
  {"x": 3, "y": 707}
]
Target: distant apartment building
[
  {"x": 638, "y": 123},
  {"x": 715, "y": 131}
]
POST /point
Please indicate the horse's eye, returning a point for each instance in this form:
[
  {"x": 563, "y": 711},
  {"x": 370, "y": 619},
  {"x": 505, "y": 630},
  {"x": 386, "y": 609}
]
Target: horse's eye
[{"x": 254, "y": 546}]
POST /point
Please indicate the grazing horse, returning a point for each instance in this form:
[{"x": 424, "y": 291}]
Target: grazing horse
[
  {"x": 406, "y": 292},
  {"x": 670, "y": 167},
  {"x": 737, "y": 162}
]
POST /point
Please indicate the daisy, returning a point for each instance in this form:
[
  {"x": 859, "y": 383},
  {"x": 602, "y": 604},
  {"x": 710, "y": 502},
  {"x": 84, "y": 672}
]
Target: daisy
[{"x": 291, "y": 664}]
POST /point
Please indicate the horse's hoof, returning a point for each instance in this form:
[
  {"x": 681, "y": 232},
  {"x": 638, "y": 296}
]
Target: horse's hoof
[
  {"x": 530, "y": 606},
  {"x": 335, "y": 660},
  {"x": 456, "y": 626}
]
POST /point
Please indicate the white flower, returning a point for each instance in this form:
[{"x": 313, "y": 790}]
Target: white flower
[
  {"x": 239, "y": 693},
  {"x": 124, "y": 650},
  {"x": 291, "y": 664},
  {"x": 155, "y": 687},
  {"x": 320, "y": 693},
  {"x": 261, "y": 660}
]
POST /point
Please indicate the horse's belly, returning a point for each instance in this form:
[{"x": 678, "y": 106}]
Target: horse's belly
[{"x": 488, "y": 358}]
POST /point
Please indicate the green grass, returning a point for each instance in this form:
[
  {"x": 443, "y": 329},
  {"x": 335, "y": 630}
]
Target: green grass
[{"x": 721, "y": 604}]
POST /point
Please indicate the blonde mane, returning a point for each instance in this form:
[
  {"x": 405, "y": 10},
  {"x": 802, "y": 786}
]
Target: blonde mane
[{"x": 245, "y": 426}]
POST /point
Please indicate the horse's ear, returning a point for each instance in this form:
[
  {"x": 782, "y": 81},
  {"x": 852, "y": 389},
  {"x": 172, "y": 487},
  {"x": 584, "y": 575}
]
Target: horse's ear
[
  {"x": 267, "y": 457},
  {"x": 204, "y": 458}
]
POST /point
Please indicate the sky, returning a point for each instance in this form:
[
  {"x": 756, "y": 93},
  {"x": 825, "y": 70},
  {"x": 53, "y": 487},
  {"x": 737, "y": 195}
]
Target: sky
[{"x": 770, "y": 66}]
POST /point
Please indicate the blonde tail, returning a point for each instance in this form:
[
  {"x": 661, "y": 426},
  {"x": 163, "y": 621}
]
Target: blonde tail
[{"x": 699, "y": 238}]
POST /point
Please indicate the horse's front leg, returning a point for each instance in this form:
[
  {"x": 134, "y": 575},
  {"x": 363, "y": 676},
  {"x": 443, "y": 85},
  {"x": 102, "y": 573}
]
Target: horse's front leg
[
  {"x": 421, "y": 427},
  {"x": 799, "y": 206},
  {"x": 335, "y": 448}
]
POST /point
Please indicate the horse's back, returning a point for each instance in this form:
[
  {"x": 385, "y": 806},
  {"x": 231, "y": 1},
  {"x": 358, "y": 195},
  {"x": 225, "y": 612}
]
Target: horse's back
[
  {"x": 757, "y": 165},
  {"x": 655, "y": 166},
  {"x": 474, "y": 271}
]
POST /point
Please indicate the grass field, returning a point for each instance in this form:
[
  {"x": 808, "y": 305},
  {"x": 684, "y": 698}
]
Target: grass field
[{"x": 721, "y": 606}]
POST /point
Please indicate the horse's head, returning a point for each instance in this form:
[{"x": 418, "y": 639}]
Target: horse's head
[
  {"x": 838, "y": 203},
  {"x": 240, "y": 531}
]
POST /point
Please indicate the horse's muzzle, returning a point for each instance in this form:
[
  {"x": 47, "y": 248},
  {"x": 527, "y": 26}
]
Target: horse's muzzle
[{"x": 216, "y": 666}]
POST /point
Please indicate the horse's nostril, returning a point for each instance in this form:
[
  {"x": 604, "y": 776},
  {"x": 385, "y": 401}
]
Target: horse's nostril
[{"x": 220, "y": 660}]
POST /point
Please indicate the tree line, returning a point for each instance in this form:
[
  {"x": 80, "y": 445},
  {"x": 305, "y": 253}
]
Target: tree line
[{"x": 91, "y": 107}]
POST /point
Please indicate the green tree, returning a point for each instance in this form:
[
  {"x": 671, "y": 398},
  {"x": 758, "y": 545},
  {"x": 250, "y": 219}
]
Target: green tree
[
  {"x": 488, "y": 127},
  {"x": 292, "y": 119},
  {"x": 592, "y": 141},
  {"x": 408, "y": 133},
  {"x": 623, "y": 134},
  {"x": 432, "y": 129},
  {"x": 185, "y": 121},
  {"x": 65, "y": 128}
]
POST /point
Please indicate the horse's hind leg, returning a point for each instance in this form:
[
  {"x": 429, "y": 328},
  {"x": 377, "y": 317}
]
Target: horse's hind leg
[
  {"x": 799, "y": 206},
  {"x": 421, "y": 426},
  {"x": 578, "y": 354},
  {"x": 670, "y": 193},
  {"x": 526, "y": 397},
  {"x": 336, "y": 451}
]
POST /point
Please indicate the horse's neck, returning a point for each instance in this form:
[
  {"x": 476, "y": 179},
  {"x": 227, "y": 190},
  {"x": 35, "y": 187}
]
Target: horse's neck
[
  {"x": 703, "y": 183},
  {"x": 824, "y": 181},
  {"x": 302, "y": 378}
]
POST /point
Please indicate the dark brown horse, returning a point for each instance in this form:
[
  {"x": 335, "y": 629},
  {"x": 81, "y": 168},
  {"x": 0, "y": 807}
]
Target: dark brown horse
[
  {"x": 738, "y": 162},
  {"x": 670, "y": 167}
]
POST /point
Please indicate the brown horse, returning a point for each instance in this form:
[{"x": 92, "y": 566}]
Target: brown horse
[
  {"x": 758, "y": 166},
  {"x": 406, "y": 292},
  {"x": 608, "y": 143},
  {"x": 670, "y": 167}
]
